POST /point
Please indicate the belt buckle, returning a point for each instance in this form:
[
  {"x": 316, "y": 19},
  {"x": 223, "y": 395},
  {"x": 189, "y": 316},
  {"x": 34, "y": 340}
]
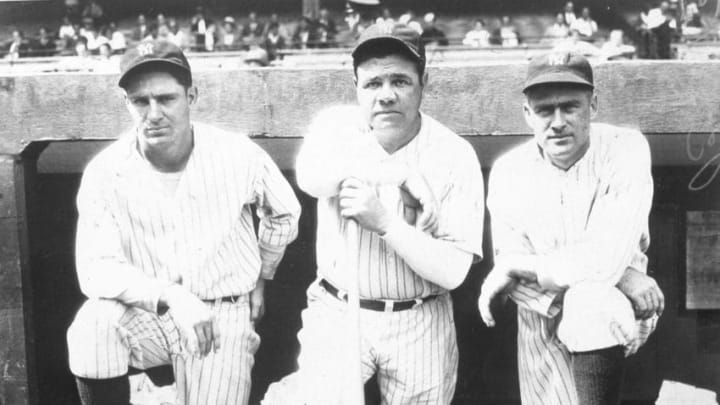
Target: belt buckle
[
  {"x": 418, "y": 302},
  {"x": 389, "y": 306}
]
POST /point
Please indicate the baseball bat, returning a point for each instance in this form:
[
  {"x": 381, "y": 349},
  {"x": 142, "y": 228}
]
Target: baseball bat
[{"x": 356, "y": 391}]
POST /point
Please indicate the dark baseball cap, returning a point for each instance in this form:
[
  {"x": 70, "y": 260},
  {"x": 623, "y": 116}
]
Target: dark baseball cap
[
  {"x": 157, "y": 52},
  {"x": 393, "y": 32},
  {"x": 559, "y": 67}
]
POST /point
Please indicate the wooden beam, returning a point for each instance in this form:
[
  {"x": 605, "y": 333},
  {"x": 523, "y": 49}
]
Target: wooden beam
[{"x": 477, "y": 100}]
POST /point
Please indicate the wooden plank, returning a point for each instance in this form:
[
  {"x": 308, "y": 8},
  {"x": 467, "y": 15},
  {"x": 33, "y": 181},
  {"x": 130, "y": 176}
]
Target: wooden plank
[
  {"x": 703, "y": 260},
  {"x": 473, "y": 100}
]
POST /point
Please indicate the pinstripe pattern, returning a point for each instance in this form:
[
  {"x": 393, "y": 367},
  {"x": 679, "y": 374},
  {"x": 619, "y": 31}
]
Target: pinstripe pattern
[
  {"x": 139, "y": 232},
  {"x": 414, "y": 352},
  {"x": 452, "y": 170},
  {"x": 107, "y": 336},
  {"x": 588, "y": 224},
  {"x": 132, "y": 239}
]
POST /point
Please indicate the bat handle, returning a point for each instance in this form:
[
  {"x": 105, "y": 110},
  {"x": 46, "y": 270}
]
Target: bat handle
[{"x": 355, "y": 367}]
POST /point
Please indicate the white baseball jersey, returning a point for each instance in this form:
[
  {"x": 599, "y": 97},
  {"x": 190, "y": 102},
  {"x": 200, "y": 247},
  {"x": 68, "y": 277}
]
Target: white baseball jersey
[
  {"x": 452, "y": 170},
  {"x": 588, "y": 224},
  {"x": 413, "y": 352},
  {"x": 140, "y": 231}
]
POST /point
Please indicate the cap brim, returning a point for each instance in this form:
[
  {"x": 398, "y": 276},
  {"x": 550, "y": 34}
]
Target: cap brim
[
  {"x": 376, "y": 40},
  {"x": 556, "y": 77},
  {"x": 145, "y": 62}
]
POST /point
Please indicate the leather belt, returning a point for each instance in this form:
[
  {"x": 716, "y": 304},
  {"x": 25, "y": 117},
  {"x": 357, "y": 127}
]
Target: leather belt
[
  {"x": 228, "y": 298},
  {"x": 376, "y": 305}
]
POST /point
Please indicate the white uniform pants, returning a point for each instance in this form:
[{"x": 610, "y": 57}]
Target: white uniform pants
[{"x": 107, "y": 336}]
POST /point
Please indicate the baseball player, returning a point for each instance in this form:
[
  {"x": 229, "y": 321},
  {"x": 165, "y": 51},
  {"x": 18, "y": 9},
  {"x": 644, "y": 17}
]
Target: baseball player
[
  {"x": 569, "y": 216},
  {"x": 166, "y": 251},
  {"x": 416, "y": 190}
]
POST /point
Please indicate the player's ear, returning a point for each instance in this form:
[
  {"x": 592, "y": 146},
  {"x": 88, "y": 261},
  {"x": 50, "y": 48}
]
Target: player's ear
[
  {"x": 355, "y": 80},
  {"x": 593, "y": 105},
  {"x": 527, "y": 113},
  {"x": 425, "y": 78},
  {"x": 192, "y": 94}
]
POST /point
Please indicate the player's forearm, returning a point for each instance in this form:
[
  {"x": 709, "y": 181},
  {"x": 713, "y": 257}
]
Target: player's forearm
[
  {"x": 435, "y": 260},
  {"x": 270, "y": 258}
]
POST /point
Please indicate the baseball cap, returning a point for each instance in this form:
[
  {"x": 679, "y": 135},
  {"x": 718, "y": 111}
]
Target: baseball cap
[
  {"x": 159, "y": 52},
  {"x": 393, "y": 32},
  {"x": 559, "y": 67}
]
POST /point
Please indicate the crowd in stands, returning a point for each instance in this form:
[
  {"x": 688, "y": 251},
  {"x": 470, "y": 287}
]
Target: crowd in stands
[{"x": 87, "y": 30}]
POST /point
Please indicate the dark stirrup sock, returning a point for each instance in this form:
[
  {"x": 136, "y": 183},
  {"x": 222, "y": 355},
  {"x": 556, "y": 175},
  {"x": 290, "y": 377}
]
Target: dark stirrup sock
[
  {"x": 599, "y": 375},
  {"x": 111, "y": 391}
]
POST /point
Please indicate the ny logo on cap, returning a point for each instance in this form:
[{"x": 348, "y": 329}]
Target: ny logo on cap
[
  {"x": 558, "y": 59},
  {"x": 145, "y": 49}
]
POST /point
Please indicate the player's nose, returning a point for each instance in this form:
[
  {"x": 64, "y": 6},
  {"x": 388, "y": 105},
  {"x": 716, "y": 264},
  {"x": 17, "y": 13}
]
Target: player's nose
[
  {"x": 558, "y": 120},
  {"x": 386, "y": 94},
  {"x": 154, "y": 112}
]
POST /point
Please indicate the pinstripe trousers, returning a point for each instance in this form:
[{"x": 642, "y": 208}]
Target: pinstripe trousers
[
  {"x": 106, "y": 337},
  {"x": 413, "y": 352}
]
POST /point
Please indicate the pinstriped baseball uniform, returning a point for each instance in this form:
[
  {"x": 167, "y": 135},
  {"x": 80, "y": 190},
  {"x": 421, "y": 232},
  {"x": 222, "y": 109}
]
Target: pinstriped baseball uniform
[
  {"x": 414, "y": 352},
  {"x": 588, "y": 224},
  {"x": 140, "y": 231}
]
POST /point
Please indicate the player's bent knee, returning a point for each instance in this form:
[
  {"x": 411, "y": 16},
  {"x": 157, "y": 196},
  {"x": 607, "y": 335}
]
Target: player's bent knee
[
  {"x": 96, "y": 347},
  {"x": 595, "y": 317}
]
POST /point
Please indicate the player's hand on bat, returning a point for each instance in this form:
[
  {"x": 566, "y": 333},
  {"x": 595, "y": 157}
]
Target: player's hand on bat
[
  {"x": 197, "y": 324},
  {"x": 361, "y": 202},
  {"x": 643, "y": 292},
  {"x": 257, "y": 301},
  {"x": 495, "y": 286},
  {"x": 416, "y": 192}
]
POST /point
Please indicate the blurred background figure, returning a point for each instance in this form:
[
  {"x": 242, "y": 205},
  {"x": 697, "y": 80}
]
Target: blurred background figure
[
  {"x": 229, "y": 38},
  {"x": 274, "y": 41},
  {"x": 17, "y": 47},
  {"x": 385, "y": 17},
  {"x": 585, "y": 25},
  {"x": 569, "y": 13},
  {"x": 431, "y": 33},
  {"x": 118, "y": 42},
  {"x": 198, "y": 28},
  {"x": 253, "y": 29},
  {"x": 558, "y": 31},
  {"x": 693, "y": 23},
  {"x": 615, "y": 48},
  {"x": 162, "y": 27},
  {"x": 327, "y": 30},
  {"x": 95, "y": 11},
  {"x": 141, "y": 29},
  {"x": 44, "y": 44},
  {"x": 478, "y": 37},
  {"x": 176, "y": 35},
  {"x": 256, "y": 57},
  {"x": 506, "y": 34},
  {"x": 304, "y": 36}
]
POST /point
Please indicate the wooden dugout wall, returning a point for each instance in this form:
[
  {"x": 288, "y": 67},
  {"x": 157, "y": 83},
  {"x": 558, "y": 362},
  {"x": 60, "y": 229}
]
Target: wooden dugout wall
[{"x": 676, "y": 104}]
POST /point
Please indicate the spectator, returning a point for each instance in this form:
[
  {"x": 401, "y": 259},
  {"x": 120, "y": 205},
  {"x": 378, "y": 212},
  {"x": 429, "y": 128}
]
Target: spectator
[
  {"x": 431, "y": 34},
  {"x": 118, "y": 43},
  {"x": 198, "y": 28},
  {"x": 44, "y": 44},
  {"x": 385, "y": 17},
  {"x": 17, "y": 47},
  {"x": 229, "y": 37},
  {"x": 506, "y": 35},
  {"x": 95, "y": 11},
  {"x": 326, "y": 23},
  {"x": 569, "y": 13},
  {"x": 81, "y": 48},
  {"x": 141, "y": 29},
  {"x": 304, "y": 36},
  {"x": 96, "y": 39},
  {"x": 72, "y": 9},
  {"x": 66, "y": 32},
  {"x": 253, "y": 29},
  {"x": 88, "y": 28},
  {"x": 162, "y": 27},
  {"x": 256, "y": 57},
  {"x": 478, "y": 37},
  {"x": 274, "y": 41},
  {"x": 614, "y": 48},
  {"x": 282, "y": 31},
  {"x": 175, "y": 35},
  {"x": 664, "y": 32},
  {"x": 585, "y": 25},
  {"x": 693, "y": 20},
  {"x": 573, "y": 43},
  {"x": 211, "y": 36},
  {"x": 558, "y": 31}
]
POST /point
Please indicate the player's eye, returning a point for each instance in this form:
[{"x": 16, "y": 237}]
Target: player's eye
[
  {"x": 372, "y": 84},
  {"x": 401, "y": 82}
]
